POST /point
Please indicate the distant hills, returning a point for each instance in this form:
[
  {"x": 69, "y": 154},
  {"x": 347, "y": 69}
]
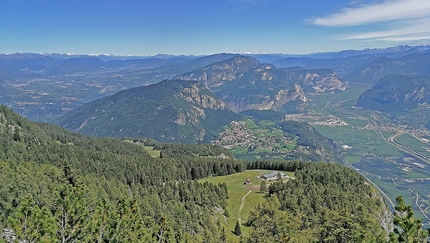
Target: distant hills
[{"x": 347, "y": 61}]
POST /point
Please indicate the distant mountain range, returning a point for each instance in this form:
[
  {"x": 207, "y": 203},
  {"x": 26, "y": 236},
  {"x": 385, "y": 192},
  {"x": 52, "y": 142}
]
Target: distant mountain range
[
  {"x": 43, "y": 87},
  {"x": 348, "y": 61},
  {"x": 412, "y": 64}
]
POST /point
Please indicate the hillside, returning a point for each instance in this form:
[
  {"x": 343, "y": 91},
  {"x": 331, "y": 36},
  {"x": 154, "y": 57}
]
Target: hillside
[
  {"x": 58, "y": 185},
  {"x": 170, "y": 111},
  {"x": 397, "y": 93},
  {"x": 244, "y": 83},
  {"x": 186, "y": 112},
  {"x": 109, "y": 189}
]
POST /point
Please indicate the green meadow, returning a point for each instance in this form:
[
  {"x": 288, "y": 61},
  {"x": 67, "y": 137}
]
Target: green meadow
[{"x": 237, "y": 189}]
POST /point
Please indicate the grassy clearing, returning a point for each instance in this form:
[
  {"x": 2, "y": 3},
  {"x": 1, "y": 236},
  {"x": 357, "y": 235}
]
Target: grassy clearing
[
  {"x": 152, "y": 152},
  {"x": 237, "y": 189},
  {"x": 387, "y": 133}
]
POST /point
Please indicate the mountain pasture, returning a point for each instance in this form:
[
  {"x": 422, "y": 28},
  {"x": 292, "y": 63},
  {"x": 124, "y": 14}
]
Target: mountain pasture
[{"x": 238, "y": 193}]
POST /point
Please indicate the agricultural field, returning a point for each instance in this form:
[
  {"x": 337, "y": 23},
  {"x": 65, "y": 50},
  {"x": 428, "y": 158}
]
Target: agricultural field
[
  {"x": 417, "y": 145},
  {"x": 394, "y": 170}
]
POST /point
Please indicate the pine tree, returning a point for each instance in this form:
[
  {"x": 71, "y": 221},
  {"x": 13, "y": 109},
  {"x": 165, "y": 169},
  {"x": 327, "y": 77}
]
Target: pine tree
[
  {"x": 237, "y": 229},
  {"x": 407, "y": 228},
  {"x": 98, "y": 226},
  {"x": 70, "y": 208},
  {"x": 263, "y": 187},
  {"x": 32, "y": 223}
]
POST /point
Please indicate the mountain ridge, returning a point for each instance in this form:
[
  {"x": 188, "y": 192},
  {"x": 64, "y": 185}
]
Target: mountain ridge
[{"x": 172, "y": 110}]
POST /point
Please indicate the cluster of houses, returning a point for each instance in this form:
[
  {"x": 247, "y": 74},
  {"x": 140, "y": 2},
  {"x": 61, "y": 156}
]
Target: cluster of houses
[
  {"x": 271, "y": 176},
  {"x": 274, "y": 175}
]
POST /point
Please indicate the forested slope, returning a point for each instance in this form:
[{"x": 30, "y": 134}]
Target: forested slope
[
  {"x": 57, "y": 186},
  {"x": 324, "y": 203},
  {"x": 107, "y": 189}
]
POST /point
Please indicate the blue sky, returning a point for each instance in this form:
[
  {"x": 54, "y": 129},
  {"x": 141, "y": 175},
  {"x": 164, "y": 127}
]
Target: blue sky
[{"x": 150, "y": 27}]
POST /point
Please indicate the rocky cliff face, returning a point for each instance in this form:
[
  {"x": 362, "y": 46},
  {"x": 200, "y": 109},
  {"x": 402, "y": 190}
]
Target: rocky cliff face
[
  {"x": 244, "y": 83},
  {"x": 216, "y": 74},
  {"x": 196, "y": 95},
  {"x": 321, "y": 83},
  {"x": 274, "y": 101}
]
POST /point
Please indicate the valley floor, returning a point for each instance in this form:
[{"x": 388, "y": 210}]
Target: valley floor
[{"x": 395, "y": 157}]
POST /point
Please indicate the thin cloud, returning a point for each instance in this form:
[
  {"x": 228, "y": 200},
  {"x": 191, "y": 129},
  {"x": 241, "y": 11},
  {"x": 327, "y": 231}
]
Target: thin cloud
[
  {"x": 379, "y": 12},
  {"x": 398, "y": 20},
  {"x": 412, "y": 29},
  {"x": 406, "y": 38}
]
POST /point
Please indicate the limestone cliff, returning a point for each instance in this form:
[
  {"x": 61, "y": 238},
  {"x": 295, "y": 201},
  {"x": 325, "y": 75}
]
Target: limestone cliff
[
  {"x": 244, "y": 83},
  {"x": 216, "y": 74}
]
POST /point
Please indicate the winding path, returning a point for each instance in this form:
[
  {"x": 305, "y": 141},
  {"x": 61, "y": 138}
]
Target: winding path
[{"x": 241, "y": 205}]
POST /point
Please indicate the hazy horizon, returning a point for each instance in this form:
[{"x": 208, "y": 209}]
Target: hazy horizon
[{"x": 191, "y": 27}]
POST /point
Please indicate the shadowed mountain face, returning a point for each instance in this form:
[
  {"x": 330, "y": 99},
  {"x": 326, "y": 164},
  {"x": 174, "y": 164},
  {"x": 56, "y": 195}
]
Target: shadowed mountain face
[
  {"x": 170, "y": 111},
  {"x": 244, "y": 83},
  {"x": 397, "y": 93}
]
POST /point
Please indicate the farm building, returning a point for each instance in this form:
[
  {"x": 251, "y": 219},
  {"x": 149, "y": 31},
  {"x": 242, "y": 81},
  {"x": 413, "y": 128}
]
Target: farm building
[{"x": 273, "y": 176}]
